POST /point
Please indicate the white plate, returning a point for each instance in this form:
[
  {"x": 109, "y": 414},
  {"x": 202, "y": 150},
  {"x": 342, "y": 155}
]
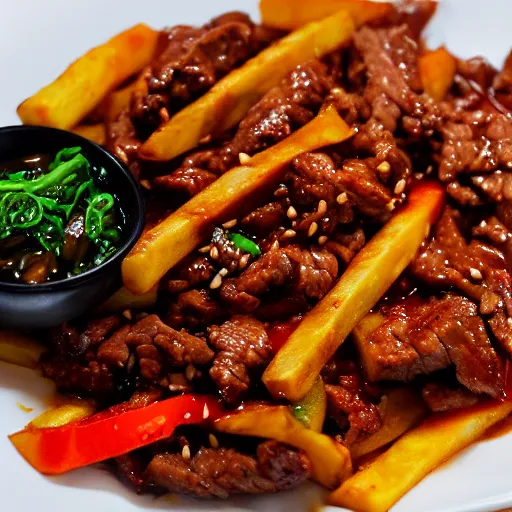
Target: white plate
[{"x": 38, "y": 38}]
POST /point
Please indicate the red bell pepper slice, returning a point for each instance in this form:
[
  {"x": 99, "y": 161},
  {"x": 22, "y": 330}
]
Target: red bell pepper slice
[
  {"x": 110, "y": 433},
  {"x": 279, "y": 334}
]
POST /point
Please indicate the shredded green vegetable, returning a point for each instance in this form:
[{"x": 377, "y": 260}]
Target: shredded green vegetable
[
  {"x": 244, "y": 244},
  {"x": 41, "y": 207}
]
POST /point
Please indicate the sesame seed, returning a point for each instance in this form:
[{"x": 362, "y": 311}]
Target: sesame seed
[
  {"x": 336, "y": 91},
  {"x": 322, "y": 240},
  {"x": 206, "y": 412},
  {"x": 391, "y": 205},
  {"x": 230, "y": 224},
  {"x": 429, "y": 170},
  {"x": 400, "y": 187},
  {"x": 214, "y": 253},
  {"x": 214, "y": 443},
  {"x": 244, "y": 158},
  {"x": 127, "y": 314},
  {"x": 322, "y": 207},
  {"x": 185, "y": 453},
  {"x": 384, "y": 167},
  {"x": 483, "y": 224},
  {"x": 244, "y": 260},
  {"x": 289, "y": 233},
  {"x": 187, "y": 416},
  {"x": 146, "y": 184},
  {"x": 216, "y": 282},
  {"x": 164, "y": 114},
  {"x": 312, "y": 229},
  {"x": 275, "y": 245},
  {"x": 342, "y": 198},
  {"x": 223, "y": 272},
  {"x": 206, "y": 248},
  {"x": 190, "y": 372},
  {"x": 476, "y": 274},
  {"x": 291, "y": 213}
]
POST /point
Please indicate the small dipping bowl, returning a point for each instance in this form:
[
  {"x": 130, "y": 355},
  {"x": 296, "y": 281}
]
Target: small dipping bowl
[{"x": 30, "y": 306}]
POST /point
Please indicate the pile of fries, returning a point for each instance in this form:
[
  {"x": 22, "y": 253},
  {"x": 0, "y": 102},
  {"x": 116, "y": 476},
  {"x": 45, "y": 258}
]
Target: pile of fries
[{"x": 89, "y": 90}]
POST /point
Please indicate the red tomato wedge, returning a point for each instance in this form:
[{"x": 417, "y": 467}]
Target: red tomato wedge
[{"x": 110, "y": 433}]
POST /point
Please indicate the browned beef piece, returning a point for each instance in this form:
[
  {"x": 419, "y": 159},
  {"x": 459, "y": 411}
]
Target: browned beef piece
[
  {"x": 281, "y": 111},
  {"x": 420, "y": 337},
  {"x": 265, "y": 219},
  {"x": 191, "y": 273},
  {"x": 349, "y": 404},
  {"x": 193, "y": 309},
  {"x": 72, "y": 365},
  {"x": 224, "y": 472},
  {"x": 477, "y": 269},
  {"x": 156, "y": 343},
  {"x": 123, "y": 142},
  {"x": 130, "y": 469},
  {"x": 502, "y": 82},
  {"x": 384, "y": 63},
  {"x": 190, "y": 180},
  {"x": 114, "y": 352},
  {"x": 440, "y": 397},
  {"x": 310, "y": 273},
  {"x": 242, "y": 344},
  {"x": 192, "y": 61},
  {"x": 90, "y": 379}
]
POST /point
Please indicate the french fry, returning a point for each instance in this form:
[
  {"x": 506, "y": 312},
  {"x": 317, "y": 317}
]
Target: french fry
[
  {"x": 330, "y": 460},
  {"x": 437, "y": 71},
  {"x": 233, "y": 193},
  {"x": 389, "y": 477},
  {"x": 299, "y": 362},
  {"x": 229, "y": 100},
  {"x": 64, "y": 414},
  {"x": 20, "y": 349},
  {"x": 400, "y": 409},
  {"x": 361, "y": 334},
  {"x": 119, "y": 100},
  {"x": 292, "y": 14},
  {"x": 95, "y": 132},
  {"x": 124, "y": 299},
  {"x": 312, "y": 408},
  {"x": 67, "y": 100}
]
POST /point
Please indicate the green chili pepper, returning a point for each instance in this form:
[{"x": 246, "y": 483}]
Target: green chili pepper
[{"x": 244, "y": 244}]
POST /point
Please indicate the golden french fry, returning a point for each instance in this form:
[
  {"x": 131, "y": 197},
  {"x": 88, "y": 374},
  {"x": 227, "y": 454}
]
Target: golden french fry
[
  {"x": 20, "y": 349},
  {"x": 381, "y": 484},
  {"x": 361, "y": 334},
  {"x": 230, "y": 99},
  {"x": 292, "y": 14},
  {"x": 119, "y": 100},
  {"x": 64, "y": 414},
  {"x": 312, "y": 408},
  {"x": 437, "y": 71},
  {"x": 161, "y": 247},
  {"x": 124, "y": 299},
  {"x": 95, "y": 132},
  {"x": 299, "y": 362},
  {"x": 67, "y": 100},
  {"x": 400, "y": 409},
  {"x": 330, "y": 460}
]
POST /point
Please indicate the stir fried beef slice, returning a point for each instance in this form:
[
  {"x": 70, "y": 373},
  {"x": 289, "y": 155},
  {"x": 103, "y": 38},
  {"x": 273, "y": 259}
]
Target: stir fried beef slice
[
  {"x": 349, "y": 405},
  {"x": 192, "y": 61},
  {"x": 224, "y": 472},
  {"x": 130, "y": 469},
  {"x": 194, "y": 309},
  {"x": 390, "y": 56},
  {"x": 420, "y": 337},
  {"x": 280, "y": 112},
  {"x": 307, "y": 272},
  {"x": 242, "y": 344},
  {"x": 156, "y": 344},
  {"x": 71, "y": 362},
  {"x": 475, "y": 268},
  {"x": 265, "y": 219},
  {"x": 440, "y": 397}
]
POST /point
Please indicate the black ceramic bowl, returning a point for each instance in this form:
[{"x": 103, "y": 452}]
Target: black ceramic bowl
[{"x": 44, "y": 305}]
